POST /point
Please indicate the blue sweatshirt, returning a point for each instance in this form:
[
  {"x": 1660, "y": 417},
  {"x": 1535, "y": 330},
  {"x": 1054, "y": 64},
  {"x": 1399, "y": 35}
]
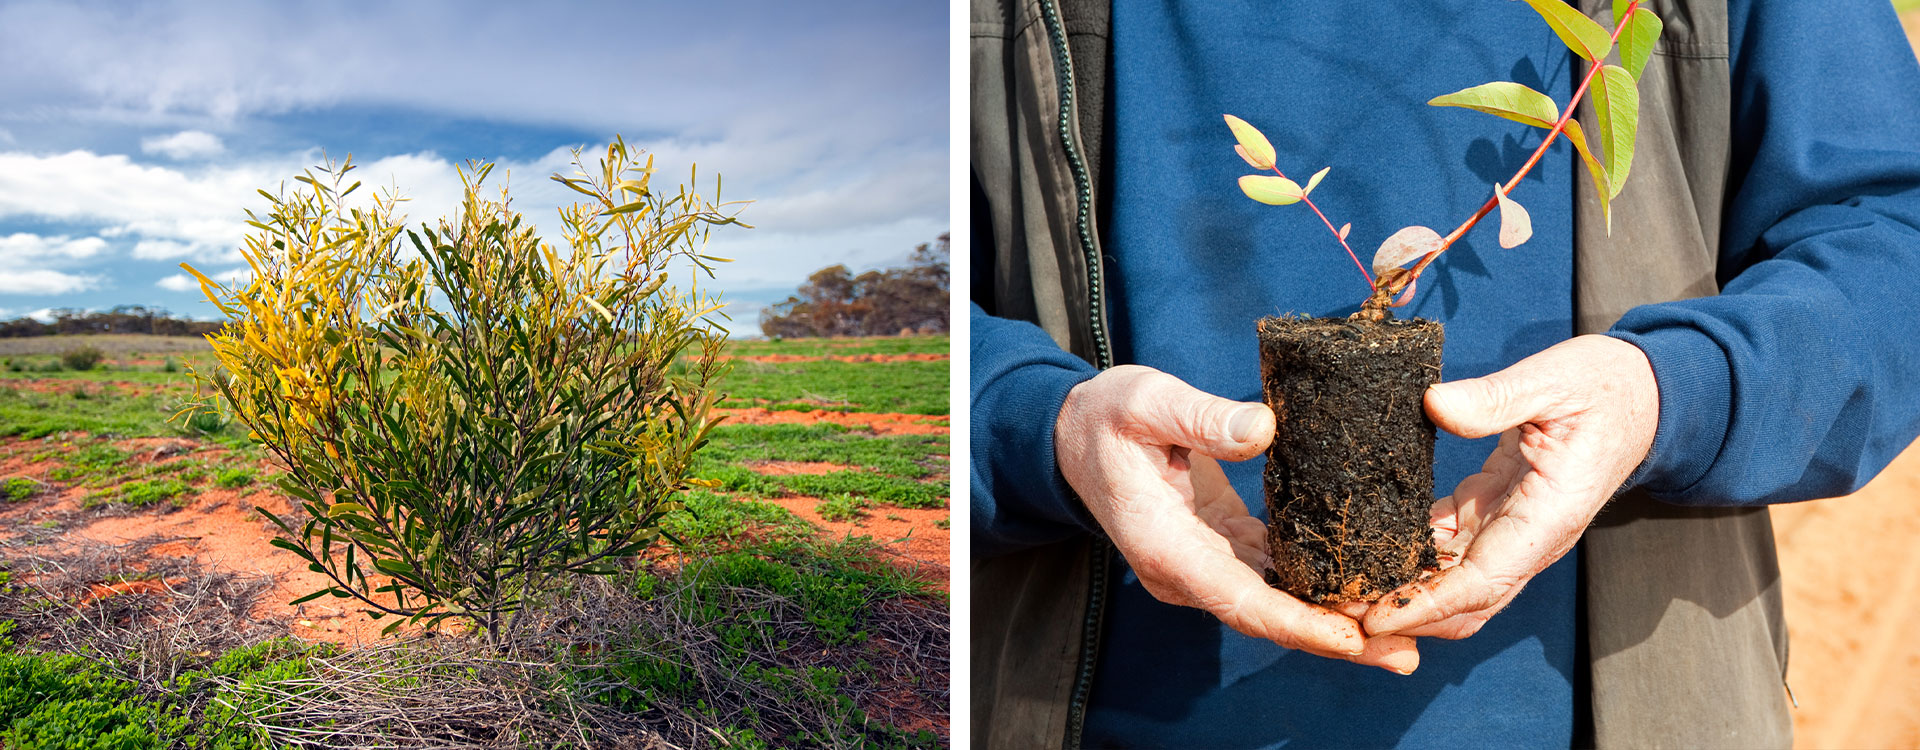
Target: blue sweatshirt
[{"x": 1796, "y": 382}]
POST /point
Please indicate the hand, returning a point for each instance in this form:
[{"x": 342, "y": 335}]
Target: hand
[
  {"x": 1138, "y": 446},
  {"x": 1575, "y": 420}
]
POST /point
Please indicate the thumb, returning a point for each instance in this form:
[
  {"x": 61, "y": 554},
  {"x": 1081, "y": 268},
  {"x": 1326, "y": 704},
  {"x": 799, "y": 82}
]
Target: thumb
[
  {"x": 1175, "y": 413},
  {"x": 1478, "y": 407}
]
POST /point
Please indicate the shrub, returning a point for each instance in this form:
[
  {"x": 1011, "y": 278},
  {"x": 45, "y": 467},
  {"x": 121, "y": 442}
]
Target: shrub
[
  {"x": 81, "y": 358},
  {"x": 497, "y": 411}
]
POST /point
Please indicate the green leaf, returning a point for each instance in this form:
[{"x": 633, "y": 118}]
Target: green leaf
[
  {"x": 628, "y": 208},
  {"x": 291, "y": 547},
  {"x": 1314, "y": 181},
  {"x": 340, "y": 509},
  {"x": 1636, "y": 40},
  {"x": 1617, "y": 103},
  {"x": 1594, "y": 169},
  {"x": 1256, "y": 149},
  {"x": 1582, "y": 35},
  {"x": 393, "y": 567},
  {"x": 1271, "y": 190},
  {"x": 1506, "y": 99},
  {"x": 311, "y": 597}
]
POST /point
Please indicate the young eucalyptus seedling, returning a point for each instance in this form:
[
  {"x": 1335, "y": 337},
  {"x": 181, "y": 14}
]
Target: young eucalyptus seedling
[{"x": 1616, "y": 103}]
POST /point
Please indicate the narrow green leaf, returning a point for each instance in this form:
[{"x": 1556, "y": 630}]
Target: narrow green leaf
[
  {"x": 1581, "y": 34},
  {"x": 291, "y": 547},
  {"x": 1617, "y": 103},
  {"x": 1506, "y": 99},
  {"x": 340, "y": 509},
  {"x": 628, "y": 208},
  {"x": 1314, "y": 181},
  {"x": 1271, "y": 190},
  {"x": 393, "y": 567},
  {"x": 311, "y": 597},
  {"x": 1636, "y": 40},
  {"x": 1257, "y": 150}
]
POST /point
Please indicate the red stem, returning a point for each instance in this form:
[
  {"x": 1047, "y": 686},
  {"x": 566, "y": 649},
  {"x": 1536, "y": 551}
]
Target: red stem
[
  {"x": 1558, "y": 126},
  {"x": 1336, "y": 232}
]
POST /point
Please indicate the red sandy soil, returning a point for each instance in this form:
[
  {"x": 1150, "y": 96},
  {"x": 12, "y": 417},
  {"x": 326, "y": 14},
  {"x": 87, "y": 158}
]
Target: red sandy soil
[
  {"x": 884, "y": 424},
  {"x": 1850, "y": 570},
  {"x": 64, "y": 386},
  {"x": 780, "y": 358},
  {"x": 921, "y": 546},
  {"x": 220, "y": 529},
  {"x": 789, "y": 468}
]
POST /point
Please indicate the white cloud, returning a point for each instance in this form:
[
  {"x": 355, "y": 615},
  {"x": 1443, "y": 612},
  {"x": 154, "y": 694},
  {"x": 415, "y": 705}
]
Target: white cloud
[
  {"x": 22, "y": 246},
  {"x": 181, "y": 282},
  {"x": 43, "y": 281},
  {"x": 186, "y": 144},
  {"x": 178, "y": 282},
  {"x": 44, "y": 315}
]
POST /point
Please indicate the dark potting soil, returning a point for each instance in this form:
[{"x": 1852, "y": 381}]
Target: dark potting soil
[{"x": 1349, "y": 478}]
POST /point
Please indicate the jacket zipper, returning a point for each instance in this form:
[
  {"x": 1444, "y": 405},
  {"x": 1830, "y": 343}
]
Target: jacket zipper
[{"x": 1100, "y": 551}]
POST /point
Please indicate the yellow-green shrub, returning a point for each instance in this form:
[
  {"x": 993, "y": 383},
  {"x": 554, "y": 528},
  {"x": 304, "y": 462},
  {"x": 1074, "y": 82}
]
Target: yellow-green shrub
[{"x": 464, "y": 425}]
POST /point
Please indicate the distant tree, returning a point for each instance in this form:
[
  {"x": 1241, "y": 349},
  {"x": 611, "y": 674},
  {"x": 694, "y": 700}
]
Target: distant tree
[
  {"x": 121, "y": 319},
  {"x": 834, "y": 302}
]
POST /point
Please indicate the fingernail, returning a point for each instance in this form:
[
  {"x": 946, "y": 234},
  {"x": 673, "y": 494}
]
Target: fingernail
[{"x": 1244, "y": 423}]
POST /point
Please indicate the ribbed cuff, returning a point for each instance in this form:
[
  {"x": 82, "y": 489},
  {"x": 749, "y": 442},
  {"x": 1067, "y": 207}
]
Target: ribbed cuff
[
  {"x": 1696, "y": 398},
  {"x": 1022, "y": 430}
]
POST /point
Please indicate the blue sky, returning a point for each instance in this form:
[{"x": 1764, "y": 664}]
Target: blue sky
[{"x": 133, "y": 136}]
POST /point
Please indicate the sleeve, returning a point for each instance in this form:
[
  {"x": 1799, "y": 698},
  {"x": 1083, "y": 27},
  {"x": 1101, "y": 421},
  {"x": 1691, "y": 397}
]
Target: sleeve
[
  {"x": 1801, "y": 379},
  {"x": 1019, "y": 378}
]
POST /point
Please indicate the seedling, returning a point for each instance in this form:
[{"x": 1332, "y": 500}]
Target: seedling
[
  {"x": 1350, "y": 472},
  {"x": 1616, "y": 104}
]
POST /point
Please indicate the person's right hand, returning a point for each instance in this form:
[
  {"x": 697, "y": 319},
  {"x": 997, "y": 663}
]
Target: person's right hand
[{"x": 1138, "y": 446}]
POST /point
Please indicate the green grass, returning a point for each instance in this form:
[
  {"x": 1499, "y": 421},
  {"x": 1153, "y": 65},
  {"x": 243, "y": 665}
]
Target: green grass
[
  {"x": 910, "y": 456},
  {"x": 141, "y": 492},
  {"x": 106, "y": 411},
  {"x": 900, "y": 387},
  {"x": 234, "y": 477},
  {"x": 842, "y": 347},
  {"x": 885, "y": 470},
  {"x": 17, "y": 489}
]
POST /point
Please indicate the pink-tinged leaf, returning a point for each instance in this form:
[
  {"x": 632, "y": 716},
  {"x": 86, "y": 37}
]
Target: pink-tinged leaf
[
  {"x": 1242, "y": 151},
  {"x": 1404, "y": 247},
  {"x": 1259, "y": 152},
  {"x": 1407, "y": 295},
  {"x": 1344, "y": 229},
  {"x": 1314, "y": 181},
  {"x": 1515, "y": 225},
  {"x": 1273, "y": 191}
]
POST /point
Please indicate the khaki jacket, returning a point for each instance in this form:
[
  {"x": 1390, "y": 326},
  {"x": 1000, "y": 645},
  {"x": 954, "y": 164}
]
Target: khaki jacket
[{"x": 1685, "y": 640}]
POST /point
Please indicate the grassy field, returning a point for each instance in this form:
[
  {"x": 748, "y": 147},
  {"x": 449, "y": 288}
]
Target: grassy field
[{"x": 752, "y": 627}]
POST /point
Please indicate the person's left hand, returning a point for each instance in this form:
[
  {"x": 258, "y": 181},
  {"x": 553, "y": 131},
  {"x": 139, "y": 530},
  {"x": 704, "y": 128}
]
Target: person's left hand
[{"x": 1575, "y": 420}]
